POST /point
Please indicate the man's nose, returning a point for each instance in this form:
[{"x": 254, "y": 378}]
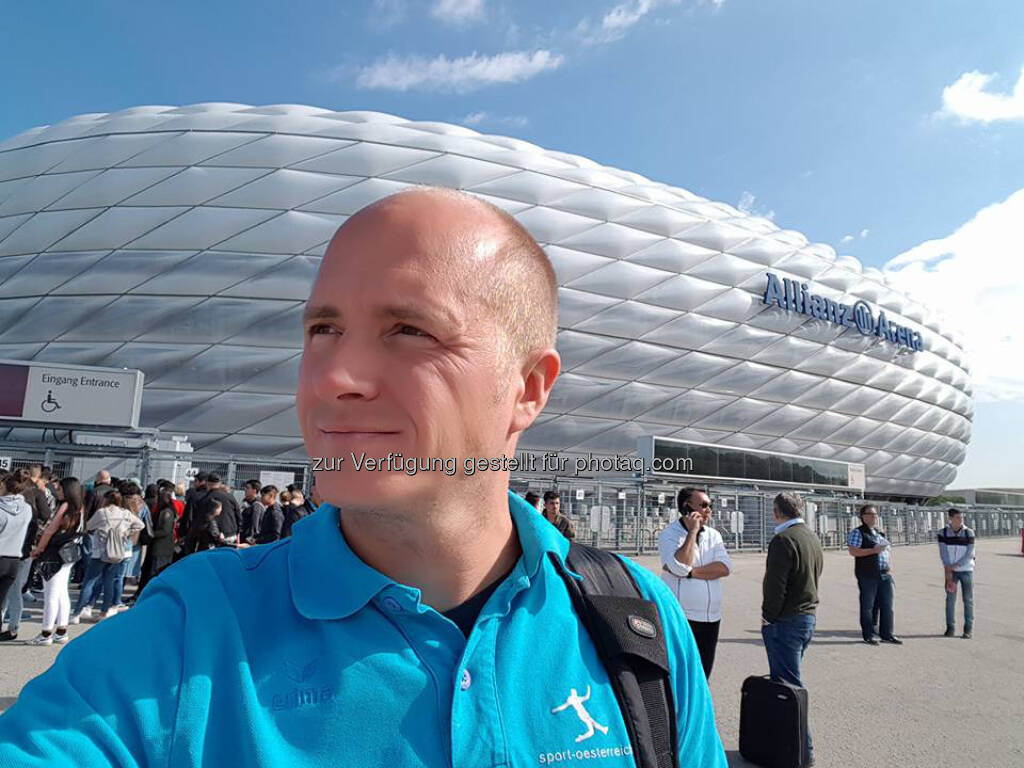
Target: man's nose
[{"x": 352, "y": 369}]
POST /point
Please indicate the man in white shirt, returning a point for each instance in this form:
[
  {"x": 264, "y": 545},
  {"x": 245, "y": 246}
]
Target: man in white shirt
[{"x": 694, "y": 562}]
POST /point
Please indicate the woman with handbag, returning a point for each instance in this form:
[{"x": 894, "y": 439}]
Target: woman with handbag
[{"x": 56, "y": 552}]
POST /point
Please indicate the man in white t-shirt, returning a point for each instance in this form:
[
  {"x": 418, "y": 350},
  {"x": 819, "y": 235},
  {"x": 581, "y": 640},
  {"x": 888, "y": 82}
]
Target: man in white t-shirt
[{"x": 694, "y": 561}]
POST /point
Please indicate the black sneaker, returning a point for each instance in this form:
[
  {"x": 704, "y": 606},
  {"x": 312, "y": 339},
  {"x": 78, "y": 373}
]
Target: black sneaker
[
  {"x": 870, "y": 641},
  {"x": 892, "y": 640},
  {"x": 950, "y": 633},
  {"x": 967, "y": 635},
  {"x": 6, "y": 636}
]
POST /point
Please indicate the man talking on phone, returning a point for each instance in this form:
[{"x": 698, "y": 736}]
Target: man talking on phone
[
  {"x": 694, "y": 561},
  {"x": 417, "y": 618}
]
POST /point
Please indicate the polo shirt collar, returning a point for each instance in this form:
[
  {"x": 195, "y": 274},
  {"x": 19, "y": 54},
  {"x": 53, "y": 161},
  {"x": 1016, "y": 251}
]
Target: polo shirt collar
[
  {"x": 329, "y": 581},
  {"x": 537, "y": 536}
]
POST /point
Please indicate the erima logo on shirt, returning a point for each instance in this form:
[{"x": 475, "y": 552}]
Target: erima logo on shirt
[
  {"x": 300, "y": 674},
  {"x": 304, "y": 694}
]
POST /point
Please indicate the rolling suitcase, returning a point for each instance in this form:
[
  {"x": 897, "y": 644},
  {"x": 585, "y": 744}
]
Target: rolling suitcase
[{"x": 773, "y": 723}]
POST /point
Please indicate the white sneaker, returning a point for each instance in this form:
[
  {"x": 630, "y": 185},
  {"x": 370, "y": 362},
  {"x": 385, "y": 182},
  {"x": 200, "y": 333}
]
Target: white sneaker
[
  {"x": 40, "y": 639},
  {"x": 60, "y": 639},
  {"x": 76, "y": 618},
  {"x": 112, "y": 611}
]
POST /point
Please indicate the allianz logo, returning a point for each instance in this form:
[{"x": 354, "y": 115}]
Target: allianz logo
[
  {"x": 794, "y": 296},
  {"x": 305, "y": 693}
]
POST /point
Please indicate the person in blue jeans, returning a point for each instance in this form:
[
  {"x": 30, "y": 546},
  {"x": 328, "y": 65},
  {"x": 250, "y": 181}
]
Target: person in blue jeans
[
  {"x": 790, "y": 594},
  {"x": 96, "y": 577},
  {"x": 107, "y": 564},
  {"x": 956, "y": 548},
  {"x": 872, "y": 565}
]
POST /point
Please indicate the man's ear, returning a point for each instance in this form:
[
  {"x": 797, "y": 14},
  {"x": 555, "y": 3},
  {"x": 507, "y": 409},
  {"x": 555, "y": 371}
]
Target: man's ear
[{"x": 537, "y": 377}]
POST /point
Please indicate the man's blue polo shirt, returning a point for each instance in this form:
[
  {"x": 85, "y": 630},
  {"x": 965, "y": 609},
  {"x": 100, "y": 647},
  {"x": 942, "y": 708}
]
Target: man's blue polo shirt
[{"x": 298, "y": 653}]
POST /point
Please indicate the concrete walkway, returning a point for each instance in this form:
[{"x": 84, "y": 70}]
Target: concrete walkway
[{"x": 929, "y": 703}]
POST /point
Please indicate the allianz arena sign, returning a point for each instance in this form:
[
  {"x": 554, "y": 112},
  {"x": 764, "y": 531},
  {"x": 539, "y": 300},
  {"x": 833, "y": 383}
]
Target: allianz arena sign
[{"x": 795, "y": 297}]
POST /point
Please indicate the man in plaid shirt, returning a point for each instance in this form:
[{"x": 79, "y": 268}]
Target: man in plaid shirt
[{"x": 870, "y": 550}]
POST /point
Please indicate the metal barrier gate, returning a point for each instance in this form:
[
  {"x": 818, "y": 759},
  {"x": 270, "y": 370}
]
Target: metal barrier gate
[
  {"x": 624, "y": 514},
  {"x": 627, "y": 515}
]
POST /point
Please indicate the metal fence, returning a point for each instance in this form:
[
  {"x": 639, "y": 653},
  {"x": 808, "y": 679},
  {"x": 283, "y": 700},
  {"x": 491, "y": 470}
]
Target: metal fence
[
  {"x": 628, "y": 516},
  {"x": 147, "y": 466},
  {"x": 620, "y": 514}
]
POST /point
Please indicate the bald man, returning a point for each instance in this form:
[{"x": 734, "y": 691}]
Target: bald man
[{"x": 418, "y": 618}]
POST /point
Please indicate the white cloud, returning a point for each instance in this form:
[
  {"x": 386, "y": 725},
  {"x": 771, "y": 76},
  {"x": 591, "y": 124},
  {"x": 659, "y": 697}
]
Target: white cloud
[
  {"x": 975, "y": 278},
  {"x": 486, "y": 118},
  {"x": 458, "y": 11},
  {"x": 846, "y": 239},
  {"x": 625, "y": 15},
  {"x": 969, "y": 98},
  {"x": 748, "y": 205},
  {"x": 387, "y": 13},
  {"x": 620, "y": 19},
  {"x": 462, "y": 75}
]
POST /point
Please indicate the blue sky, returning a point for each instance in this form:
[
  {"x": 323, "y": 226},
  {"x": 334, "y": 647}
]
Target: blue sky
[{"x": 891, "y": 131}]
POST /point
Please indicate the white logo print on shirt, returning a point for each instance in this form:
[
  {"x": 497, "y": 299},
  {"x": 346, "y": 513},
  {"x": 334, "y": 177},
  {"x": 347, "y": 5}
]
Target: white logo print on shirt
[{"x": 576, "y": 702}]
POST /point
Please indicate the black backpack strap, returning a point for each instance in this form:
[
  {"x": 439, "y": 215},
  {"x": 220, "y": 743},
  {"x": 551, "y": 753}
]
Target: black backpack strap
[{"x": 627, "y": 632}]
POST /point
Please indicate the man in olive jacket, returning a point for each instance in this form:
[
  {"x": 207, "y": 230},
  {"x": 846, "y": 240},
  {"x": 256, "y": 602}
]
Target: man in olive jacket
[{"x": 790, "y": 593}]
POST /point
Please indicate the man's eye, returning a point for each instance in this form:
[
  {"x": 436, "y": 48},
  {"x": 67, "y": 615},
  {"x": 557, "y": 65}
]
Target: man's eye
[
  {"x": 411, "y": 330},
  {"x": 320, "y": 329}
]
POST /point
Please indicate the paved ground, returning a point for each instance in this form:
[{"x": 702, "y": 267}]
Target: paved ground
[{"x": 932, "y": 702}]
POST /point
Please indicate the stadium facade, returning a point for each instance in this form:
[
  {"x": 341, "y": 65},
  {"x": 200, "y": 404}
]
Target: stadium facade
[{"x": 183, "y": 241}]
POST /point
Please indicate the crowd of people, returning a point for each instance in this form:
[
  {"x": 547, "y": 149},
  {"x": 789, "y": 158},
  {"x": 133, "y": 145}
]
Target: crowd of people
[{"x": 104, "y": 534}]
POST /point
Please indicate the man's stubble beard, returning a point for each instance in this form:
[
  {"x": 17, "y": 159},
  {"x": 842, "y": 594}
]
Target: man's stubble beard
[{"x": 406, "y": 518}]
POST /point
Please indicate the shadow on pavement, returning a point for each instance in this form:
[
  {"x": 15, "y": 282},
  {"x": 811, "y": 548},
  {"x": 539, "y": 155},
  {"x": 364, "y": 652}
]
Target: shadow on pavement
[
  {"x": 826, "y": 637},
  {"x": 852, "y": 634},
  {"x": 740, "y": 640}
]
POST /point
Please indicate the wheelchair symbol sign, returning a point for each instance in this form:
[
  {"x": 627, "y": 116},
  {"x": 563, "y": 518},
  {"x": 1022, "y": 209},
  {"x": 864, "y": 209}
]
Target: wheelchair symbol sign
[{"x": 49, "y": 405}]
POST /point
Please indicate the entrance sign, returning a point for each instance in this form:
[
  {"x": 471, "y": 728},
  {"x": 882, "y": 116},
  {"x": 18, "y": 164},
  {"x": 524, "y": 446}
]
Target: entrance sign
[{"x": 53, "y": 393}]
